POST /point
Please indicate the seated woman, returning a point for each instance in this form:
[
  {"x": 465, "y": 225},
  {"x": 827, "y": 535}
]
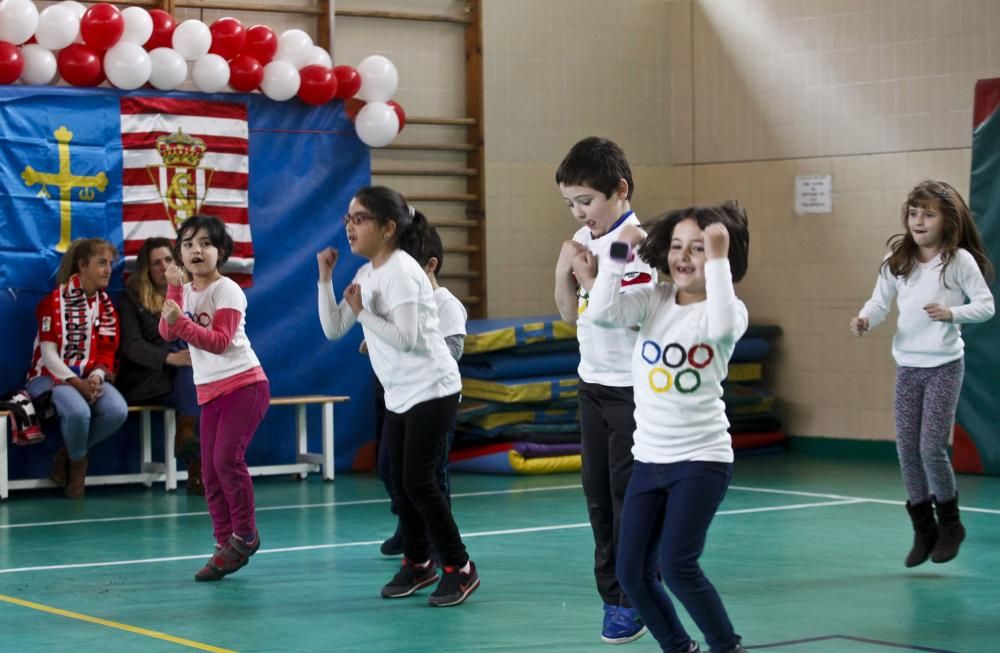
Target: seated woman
[
  {"x": 74, "y": 358},
  {"x": 153, "y": 370}
]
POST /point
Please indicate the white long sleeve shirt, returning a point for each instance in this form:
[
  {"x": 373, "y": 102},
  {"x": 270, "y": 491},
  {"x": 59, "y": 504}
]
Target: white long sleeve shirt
[
  {"x": 604, "y": 353},
  {"x": 680, "y": 359},
  {"x": 919, "y": 340},
  {"x": 400, "y": 322}
]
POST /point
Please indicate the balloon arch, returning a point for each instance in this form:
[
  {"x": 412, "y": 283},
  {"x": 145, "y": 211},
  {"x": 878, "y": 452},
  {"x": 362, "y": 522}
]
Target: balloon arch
[{"x": 134, "y": 47}]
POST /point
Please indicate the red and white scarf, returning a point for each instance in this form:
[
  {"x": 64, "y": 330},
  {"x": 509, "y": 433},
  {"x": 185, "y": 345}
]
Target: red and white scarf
[{"x": 86, "y": 330}]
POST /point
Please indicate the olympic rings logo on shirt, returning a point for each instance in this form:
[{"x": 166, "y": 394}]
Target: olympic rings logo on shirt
[
  {"x": 201, "y": 319},
  {"x": 673, "y": 356}
]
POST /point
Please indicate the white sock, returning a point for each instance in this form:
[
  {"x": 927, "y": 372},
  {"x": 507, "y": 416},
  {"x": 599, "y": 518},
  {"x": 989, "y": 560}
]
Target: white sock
[
  {"x": 423, "y": 565},
  {"x": 467, "y": 568}
]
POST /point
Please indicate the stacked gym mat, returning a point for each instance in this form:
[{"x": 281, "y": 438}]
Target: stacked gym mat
[
  {"x": 750, "y": 407},
  {"x": 519, "y": 413}
]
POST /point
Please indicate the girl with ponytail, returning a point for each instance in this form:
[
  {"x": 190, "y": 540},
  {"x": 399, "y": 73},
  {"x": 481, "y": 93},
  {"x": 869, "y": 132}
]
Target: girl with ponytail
[{"x": 393, "y": 300}]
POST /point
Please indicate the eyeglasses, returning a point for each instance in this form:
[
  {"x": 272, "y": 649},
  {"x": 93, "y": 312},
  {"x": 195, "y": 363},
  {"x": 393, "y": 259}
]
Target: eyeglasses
[{"x": 357, "y": 218}]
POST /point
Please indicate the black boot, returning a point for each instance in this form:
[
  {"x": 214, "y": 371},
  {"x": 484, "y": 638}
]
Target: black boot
[
  {"x": 950, "y": 531},
  {"x": 925, "y": 532}
]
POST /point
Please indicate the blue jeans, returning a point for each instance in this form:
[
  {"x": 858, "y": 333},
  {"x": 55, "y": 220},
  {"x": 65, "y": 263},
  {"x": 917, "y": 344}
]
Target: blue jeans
[
  {"x": 83, "y": 425},
  {"x": 667, "y": 512}
]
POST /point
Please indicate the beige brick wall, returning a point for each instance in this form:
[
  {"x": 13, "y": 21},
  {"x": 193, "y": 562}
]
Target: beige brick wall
[{"x": 713, "y": 99}]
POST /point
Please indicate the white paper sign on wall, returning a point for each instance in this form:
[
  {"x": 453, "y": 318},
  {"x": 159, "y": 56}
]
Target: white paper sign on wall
[{"x": 813, "y": 194}]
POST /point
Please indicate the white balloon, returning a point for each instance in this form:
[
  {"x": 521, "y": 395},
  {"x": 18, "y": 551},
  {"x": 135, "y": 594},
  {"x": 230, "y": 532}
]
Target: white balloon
[
  {"x": 18, "y": 20},
  {"x": 58, "y": 26},
  {"x": 379, "y": 79},
  {"x": 192, "y": 39},
  {"x": 77, "y": 8},
  {"x": 127, "y": 65},
  {"x": 39, "y": 65},
  {"x": 318, "y": 57},
  {"x": 169, "y": 70},
  {"x": 377, "y": 124},
  {"x": 295, "y": 46},
  {"x": 138, "y": 25},
  {"x": 210, "y": 74},
  {"x": 281, "y": 80}
]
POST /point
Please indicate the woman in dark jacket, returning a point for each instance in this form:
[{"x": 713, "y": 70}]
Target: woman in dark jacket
[{"x": 154, "y": 371}]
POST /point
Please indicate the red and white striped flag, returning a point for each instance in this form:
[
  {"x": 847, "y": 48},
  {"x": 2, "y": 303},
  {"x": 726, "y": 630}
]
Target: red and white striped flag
[{"x": 181, "y": 157}]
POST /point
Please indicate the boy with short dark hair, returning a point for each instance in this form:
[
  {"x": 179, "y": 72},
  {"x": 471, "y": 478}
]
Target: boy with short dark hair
[{"x": 595, "y": 179}]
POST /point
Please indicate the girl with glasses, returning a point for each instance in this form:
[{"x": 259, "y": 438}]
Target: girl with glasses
[{"x": 393, "y": 300}]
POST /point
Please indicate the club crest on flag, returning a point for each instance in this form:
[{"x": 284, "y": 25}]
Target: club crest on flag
[
  {"x": 181, "y": 182},
  {"x": 181, "y": 157}
]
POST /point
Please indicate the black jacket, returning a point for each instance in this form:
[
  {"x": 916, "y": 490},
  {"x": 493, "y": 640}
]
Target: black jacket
[{"x": 144, "y": 373}]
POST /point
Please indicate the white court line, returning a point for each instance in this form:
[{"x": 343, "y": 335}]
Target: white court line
[
  {"x": 888, "y": 502},
  {"x": 344, "y": 545},
  {"x": 550, "y": 488},
  {"x": 299, "y": 506}
]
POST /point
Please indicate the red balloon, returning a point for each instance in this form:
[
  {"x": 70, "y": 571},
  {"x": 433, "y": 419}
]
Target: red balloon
[
  {"x": 261, "y": 44},
  {"x": 399, "y": 113},
  {"x": 317, "y": 86},
  {"x": 11, "y": 62},
  {"x": 80, "y": 65},
  {"x": 101, "y": 26},
  {"x": 245, "y": 73},
  {"x": 348, "y": 82},
  {"x": 163, "y": 30},
  {"x": 228, "y": 37},
  {"x": 352, "y": 106}
]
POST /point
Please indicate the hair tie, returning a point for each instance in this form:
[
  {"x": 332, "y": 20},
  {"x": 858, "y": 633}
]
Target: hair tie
[{"x": 413, "y": 212}]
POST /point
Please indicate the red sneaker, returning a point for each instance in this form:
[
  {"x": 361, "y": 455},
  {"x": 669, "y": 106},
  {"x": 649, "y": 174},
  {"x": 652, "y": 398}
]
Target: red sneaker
[{"x": 230, "y": 558}]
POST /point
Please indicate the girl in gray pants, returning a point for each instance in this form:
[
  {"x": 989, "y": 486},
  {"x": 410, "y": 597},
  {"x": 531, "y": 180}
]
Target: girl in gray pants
[{"x": 932, "y": 269}]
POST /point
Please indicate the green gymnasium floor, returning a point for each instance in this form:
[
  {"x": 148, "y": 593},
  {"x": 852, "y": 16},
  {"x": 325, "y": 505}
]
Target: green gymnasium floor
[{"x": 806, "y": 552}]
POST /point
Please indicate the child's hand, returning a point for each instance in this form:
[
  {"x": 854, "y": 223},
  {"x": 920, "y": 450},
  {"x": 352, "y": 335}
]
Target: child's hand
[
  {"x": 585, "y": 268},
  {"x": 175, "y": 276},
  {"x": 859, "y": 326},
  {"x": 570, "y": 250},
  {"x": 938, "y": 313},
  {"x": 326, "y": 259},
  {"x": 171, "y": 311},
  {"x": 353, "y": 296},
  {"x": 716, "y": 241},
  {"x": 632, "y": 235}
]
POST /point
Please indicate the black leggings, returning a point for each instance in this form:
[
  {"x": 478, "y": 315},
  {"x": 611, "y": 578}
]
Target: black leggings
[{"x": 416, "y": 444}]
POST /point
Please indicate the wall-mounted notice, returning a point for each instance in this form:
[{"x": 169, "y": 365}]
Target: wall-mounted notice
[{"x": 813, "y": 194}]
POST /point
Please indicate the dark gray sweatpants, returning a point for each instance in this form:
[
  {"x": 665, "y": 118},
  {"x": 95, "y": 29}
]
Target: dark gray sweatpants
[{"x": 926, "y": 401}]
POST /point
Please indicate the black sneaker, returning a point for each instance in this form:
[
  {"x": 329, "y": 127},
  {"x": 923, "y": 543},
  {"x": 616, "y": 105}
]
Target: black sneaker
[
  {"x": 455, "y": 586},
  {"x": 409, "y": 579},
  {"x": 393, "y": 546}
]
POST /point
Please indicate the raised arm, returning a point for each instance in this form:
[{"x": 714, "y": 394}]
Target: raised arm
[
  {"x": 727, "y": 316},
  {"x": 336, "y": 319},
  {"x": 565, "y": 290}
]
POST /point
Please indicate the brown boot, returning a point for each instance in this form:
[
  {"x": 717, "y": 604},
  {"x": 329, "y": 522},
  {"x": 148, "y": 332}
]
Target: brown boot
[
  {"x": 60, "y": 467},
  {"x": 186, "y": 439},
  {"x": 194, "y": 485},
  {"x": 77, "y": 478}
]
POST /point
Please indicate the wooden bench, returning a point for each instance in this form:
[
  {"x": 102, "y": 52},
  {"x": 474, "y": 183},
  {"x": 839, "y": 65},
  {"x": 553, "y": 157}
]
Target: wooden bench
[{"x": 150, "y": 472}]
